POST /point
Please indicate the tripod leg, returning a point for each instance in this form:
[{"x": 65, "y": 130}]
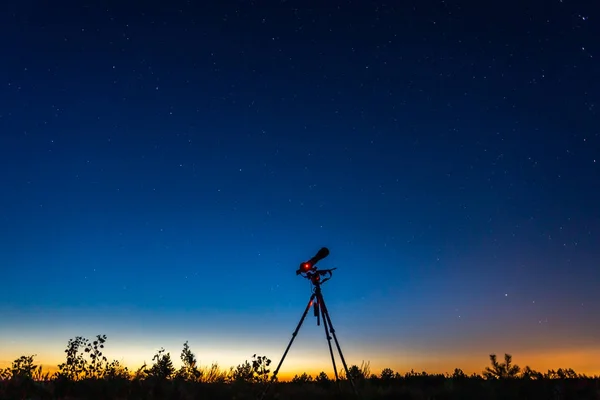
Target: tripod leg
[
  {"x": 337, "y": 344},
  {"x": 329, "y": 344},
  {"x": 310, "y": 302}
]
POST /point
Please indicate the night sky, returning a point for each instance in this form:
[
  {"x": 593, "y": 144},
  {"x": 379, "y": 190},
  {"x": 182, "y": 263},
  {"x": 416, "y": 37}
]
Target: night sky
[{"x": 166, "y": 166}]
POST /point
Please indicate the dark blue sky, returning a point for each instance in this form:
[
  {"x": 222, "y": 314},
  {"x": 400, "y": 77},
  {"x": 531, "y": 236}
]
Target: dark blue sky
[{"x": 167, "y": 166}]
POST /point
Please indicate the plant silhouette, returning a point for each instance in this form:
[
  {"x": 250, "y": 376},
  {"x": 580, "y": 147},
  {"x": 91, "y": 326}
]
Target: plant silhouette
[
  {"x": 256, "y": 371},
  {"x": 75, "y": 367},
  {"x": 243, "y": 373},
  {"x": 260, "y": 368},
  {"x": 87, "y": 373},
  {"x": 458, "y": 374},
  {"x": 359, "y": 373},
  {"x": 387, "y": 374},
  {"x": 163, "y": 368},
  {"x": 502, "y": 370},
  {"x": 114, "y": 370},
  {"x": 322, "y": 379},
  {"x": 24, "y": 368},
  {"x": 189, "y": 369},
  {"x": 97, "y": 364},
  {"x": 141, "y": 373},
  {"x": 304, "y": 378}
]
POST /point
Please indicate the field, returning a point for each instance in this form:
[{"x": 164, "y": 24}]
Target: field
[{"x": 87, "y": 374}]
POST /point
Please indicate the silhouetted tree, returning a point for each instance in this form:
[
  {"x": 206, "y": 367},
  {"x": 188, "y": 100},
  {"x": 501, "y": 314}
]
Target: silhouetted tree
[
  {"x": 387, "y": 374},
  {"x": 322, "y": 379},
  {"x": 304, "y": 378},
  {"x": 529, "y": 373},
  {"x": 242, "y": 373},
  {"x": 501, "y": 370},
  {"x": 567, "y": 373},
  {"x": 189, "y": 370},
  {"x": 359, "y": 373},
  {"x": 162, "y": 368},
  {"x": 413, "y": 373},
  {"x": 458, "y": 374},
  {"x": 355, "y": 373}
]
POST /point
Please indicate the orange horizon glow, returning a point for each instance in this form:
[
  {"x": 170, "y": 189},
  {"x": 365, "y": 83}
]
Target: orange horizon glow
[
  {"x": 134, "y": 342},
  {"x": 581, "y": 361}
]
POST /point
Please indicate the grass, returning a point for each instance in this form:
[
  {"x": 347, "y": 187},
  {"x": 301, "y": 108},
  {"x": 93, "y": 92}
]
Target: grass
[{"x": 87, "y": 374}]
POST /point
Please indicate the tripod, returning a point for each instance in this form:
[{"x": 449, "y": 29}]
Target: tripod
[{"x": 316, "y": 301}]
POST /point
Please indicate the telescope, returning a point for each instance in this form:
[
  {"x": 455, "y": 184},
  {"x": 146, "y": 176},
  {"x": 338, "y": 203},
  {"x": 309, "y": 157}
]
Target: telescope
[
  {"x": 308, "y": 269},
  {"x": 310, "y": 265}
]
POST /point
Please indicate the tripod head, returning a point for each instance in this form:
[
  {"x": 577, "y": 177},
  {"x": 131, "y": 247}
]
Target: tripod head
[
  {"x": 308, "y": 269},
  {"x": 315, "y": 276}
]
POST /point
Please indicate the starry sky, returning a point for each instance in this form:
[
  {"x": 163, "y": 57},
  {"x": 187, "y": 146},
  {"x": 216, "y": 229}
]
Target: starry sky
[{"x": 166, "y": 166}]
